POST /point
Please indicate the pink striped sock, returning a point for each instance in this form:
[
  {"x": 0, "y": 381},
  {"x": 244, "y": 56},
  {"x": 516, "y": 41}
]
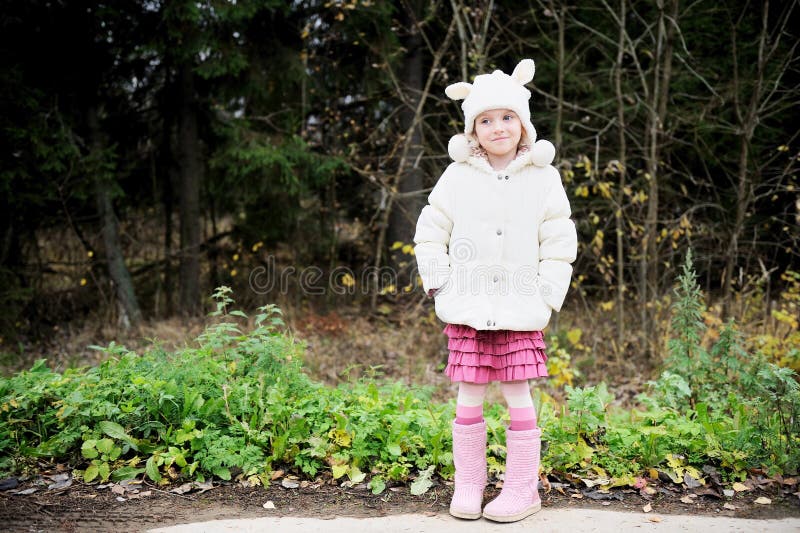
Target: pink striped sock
[
  {"x": 522, "y": 418},
  {"x": 469, "y": 414}
]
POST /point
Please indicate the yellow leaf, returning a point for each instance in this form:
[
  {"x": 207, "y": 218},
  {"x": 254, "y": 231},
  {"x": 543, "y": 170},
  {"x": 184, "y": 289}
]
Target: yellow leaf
[
  {"x": 408, "y": 249},
  {"x": 763, "y": 501},
  {"x": 339, "y": 470},
  {"x": 396, "y": 245},
  {"x": 348, "y": 281},
  {"x": 389, "y": 289},
  {"x": 607, "y": 306},
  {"x": 739, "y": 487},
  {"x": 574, "y": 336},
  {"x": 340, "y": 437}
]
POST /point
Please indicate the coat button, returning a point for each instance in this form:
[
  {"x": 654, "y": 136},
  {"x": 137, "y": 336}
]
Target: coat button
[
  {"x": 499, "y": 176},
  {"x": 499, "y": 231},
  {"x": 495, "y": 279},
  {"x": 488, "y": 322},
  {"x": 506, "y": 177}
]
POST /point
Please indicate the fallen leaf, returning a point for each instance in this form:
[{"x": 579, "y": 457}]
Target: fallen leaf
[
  {"x": 729, "y": 507},
  {"x": 649, "y": 490},
  {"x": 269, "y": 505},
  {"x": 653, "y": 473},
  {"x": 763, "y": 501},
  {"x": 790, "y": 481},
  {"x": 647, "y": 508},
  {"x": 289, "y": 483},
  {"x": 544, "y": 483},
  {"x": 202, "y": 487},
  {"x": 706, "y": 491},
  {"x": 276, "y": 474},
  {"x": 594, "y": 482},
  {"x": 117, "y": 489},
  {"x": 578, "y": 496},
  {"x": 603, "y": 495},
  {"x": 691, "y": 482},
  {"x": 687, "y": 499},
  {"x": 60, "y": 484},
  {"x": 183, "y": 489},
  {"x": 654, "y": 518},
  {"x": 728, "y": 493},
  {"x": 739, "y": 487},
  {"x": 121, "y": 499},
  {"x": 26, "y": 491}
]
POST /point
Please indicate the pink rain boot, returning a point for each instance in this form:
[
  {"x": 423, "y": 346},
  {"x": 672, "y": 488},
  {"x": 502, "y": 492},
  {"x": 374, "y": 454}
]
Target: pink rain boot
[
  {"x": 469, "y": 458},
  {"x": 520, "y": 496}
]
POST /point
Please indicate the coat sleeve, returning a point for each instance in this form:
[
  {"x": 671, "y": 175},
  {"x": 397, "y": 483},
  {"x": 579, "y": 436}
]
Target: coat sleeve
[
  {"x": 558, "y": 245},
  {"x": 432, "y": 236}
]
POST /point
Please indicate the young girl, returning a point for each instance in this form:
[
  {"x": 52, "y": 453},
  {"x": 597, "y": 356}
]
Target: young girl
[{"x": 494, "y": 248}]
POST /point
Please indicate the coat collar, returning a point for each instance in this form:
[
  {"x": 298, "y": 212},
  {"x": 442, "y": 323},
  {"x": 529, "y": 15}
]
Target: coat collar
[{"x": 480, "y": 160}]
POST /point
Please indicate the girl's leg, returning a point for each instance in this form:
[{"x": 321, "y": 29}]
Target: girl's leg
[
  {"x": 520, "y": 496},
  {"x": 520, "y": 404},
  {"x": 469, "y": 404},
  {"x": 469, "y": 452}
]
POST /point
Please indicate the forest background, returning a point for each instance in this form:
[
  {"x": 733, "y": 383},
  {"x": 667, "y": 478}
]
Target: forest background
[{"x": 157, "y": 150}]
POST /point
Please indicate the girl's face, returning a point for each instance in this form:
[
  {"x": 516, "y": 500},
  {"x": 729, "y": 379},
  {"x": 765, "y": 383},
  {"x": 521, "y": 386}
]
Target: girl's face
[{"x": 499, "y": 132}]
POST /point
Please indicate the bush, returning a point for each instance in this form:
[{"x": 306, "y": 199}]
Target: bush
[{"x": 238, "y": 404}]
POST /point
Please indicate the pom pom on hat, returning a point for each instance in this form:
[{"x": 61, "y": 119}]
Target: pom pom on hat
[
  {"x": 542, "y": 153},
  {"x": 459, "y": 148}
]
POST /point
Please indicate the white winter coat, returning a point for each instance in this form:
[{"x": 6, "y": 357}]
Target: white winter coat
[{"x": 497, "y": 244}]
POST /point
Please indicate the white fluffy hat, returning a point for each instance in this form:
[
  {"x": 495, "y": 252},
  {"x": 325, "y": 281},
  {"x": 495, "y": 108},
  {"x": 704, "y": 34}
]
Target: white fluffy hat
[{"x": 498, "y": 90}]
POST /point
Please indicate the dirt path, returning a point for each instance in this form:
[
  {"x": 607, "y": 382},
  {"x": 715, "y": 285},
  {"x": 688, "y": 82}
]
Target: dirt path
[
  {"x": 144, "y": 507},
  {"x": 548, "y": 520}
]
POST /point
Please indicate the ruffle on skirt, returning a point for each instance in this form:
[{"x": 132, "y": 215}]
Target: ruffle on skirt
[{"x": 494, "y": 355}]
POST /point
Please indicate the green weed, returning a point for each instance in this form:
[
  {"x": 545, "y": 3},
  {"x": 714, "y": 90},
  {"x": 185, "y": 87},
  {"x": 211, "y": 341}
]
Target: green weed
[{"x": 237, "y": 404}]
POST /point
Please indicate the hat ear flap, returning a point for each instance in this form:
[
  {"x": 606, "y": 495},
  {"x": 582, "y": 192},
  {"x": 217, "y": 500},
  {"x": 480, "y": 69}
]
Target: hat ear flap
[
  {"x": 458, "y": 91},
  {"x": 524, "y": 71}
]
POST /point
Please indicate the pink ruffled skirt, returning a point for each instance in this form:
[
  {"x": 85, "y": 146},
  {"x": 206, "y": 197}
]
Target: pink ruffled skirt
[{"x": 478, "y": 356}]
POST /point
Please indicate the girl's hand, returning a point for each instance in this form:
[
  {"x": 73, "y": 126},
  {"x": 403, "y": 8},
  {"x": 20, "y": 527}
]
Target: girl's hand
[{"x": 431, "y": 292}]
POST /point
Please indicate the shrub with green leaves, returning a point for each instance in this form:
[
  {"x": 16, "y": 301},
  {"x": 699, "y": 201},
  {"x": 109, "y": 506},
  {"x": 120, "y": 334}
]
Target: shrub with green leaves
[{"x": 236, "y": 403}]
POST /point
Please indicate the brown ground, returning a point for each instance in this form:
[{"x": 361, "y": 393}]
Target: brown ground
[{"x": 89, "y": 508}]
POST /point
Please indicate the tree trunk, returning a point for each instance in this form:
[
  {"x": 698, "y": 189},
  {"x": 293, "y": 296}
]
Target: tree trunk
[
  {"x": 560, "y": 16},
  {"x": 191, "y": 169},
  {"x": 748, "y": 119},
  {"x": 662, "y": 72},
  {"x": 130, "y": 315},
  {"x": 406, "y": 209},
  {"x": 620, "y": 197}
]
